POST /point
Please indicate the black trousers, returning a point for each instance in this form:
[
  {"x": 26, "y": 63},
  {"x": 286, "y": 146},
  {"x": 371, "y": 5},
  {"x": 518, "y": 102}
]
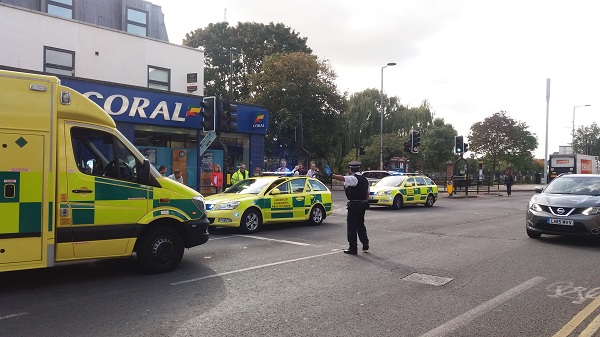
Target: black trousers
[
  {"x": 356, "y": 224},
  {"x": 508, "y": 189}
]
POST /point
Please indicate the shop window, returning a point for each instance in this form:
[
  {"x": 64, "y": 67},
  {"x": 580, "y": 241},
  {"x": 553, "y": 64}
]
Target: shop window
[
  {"x": 59, "y": 61},
  {"x": 137, "y": 22},
  {"x": 62, "y": 8},
  {"x": 159, "y": 78}
]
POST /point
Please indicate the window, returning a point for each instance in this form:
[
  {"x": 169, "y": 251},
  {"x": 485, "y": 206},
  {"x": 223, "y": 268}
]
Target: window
[
  {"x": 298, "y": 185},
  {"x": 137, "y": 22},
  {"x": 284, "y": 188},
  {"x": 317, "y": 185},
  {"x": 99, "y": 153},
  {"x": 62, "y": 8},
  {"x": 421, "y": 181},
  {"x": 159, "y": 78},
  {"x": 59, "y": 61}
]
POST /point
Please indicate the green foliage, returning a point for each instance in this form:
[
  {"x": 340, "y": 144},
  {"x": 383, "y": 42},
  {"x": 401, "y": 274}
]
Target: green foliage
[
  {"x": 587, "y": 140},
  {"x": 296, "y": 84},
  {"x": 253, "y": 41},
  {"x": 437, "y": 146},
  {"x": 499, "y": 137}
]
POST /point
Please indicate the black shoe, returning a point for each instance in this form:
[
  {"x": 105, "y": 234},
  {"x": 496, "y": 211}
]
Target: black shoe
[
  {"x": 350, "y": 251},
  {"x": 365, "y": 247}
]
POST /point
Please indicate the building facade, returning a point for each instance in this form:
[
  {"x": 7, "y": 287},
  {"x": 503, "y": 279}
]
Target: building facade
[{"x": 116, "y": 52}]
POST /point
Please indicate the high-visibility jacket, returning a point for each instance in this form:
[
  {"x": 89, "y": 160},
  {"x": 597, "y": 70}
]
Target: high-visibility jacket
[{"x": 239, "y": 176}]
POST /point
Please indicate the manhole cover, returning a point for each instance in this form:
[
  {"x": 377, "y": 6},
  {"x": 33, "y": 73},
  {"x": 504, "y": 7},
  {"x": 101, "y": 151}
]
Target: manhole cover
[{"x": 431, "y": 280}]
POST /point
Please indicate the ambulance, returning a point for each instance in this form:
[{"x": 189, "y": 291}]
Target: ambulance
[{"x": 74, "y": 188}]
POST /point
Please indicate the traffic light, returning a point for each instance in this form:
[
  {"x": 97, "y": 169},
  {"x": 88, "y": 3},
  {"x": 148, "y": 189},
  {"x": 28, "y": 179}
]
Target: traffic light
[
  {"x": 459, "y": 145},
  {"x": 228, "y": 117},
  {"x": 466, "y": 147},
  {"x": 362, "y": 151},
  {"x": 415, "y": 139},
  {"x": 407, "y": 147},
  {"x": 208, "y": 111}
]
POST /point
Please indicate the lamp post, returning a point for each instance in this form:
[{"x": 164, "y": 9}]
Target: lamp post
[
  {"x": 573, "y": 132},
  {"x": 381, "y": 117},
  {"x": 231, "y": 50}
]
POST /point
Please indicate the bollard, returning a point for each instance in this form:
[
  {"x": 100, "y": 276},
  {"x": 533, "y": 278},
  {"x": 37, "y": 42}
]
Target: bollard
[{"x": 449, "y": 187}]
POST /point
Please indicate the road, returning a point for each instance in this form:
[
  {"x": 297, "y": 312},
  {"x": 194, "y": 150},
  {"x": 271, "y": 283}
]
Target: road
[{"x": 464, "y": 267}]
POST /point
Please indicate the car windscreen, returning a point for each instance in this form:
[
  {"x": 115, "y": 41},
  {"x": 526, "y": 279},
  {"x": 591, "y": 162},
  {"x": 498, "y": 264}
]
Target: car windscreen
[
  {"x": 575, "y": 185},
  {"x": 249, "y": 186},
  {"x": 391, "y": 181}
]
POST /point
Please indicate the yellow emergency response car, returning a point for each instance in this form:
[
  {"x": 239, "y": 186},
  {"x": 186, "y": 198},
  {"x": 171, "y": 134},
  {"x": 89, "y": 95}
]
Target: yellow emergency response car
[
  {"x": 396, "y": 191},
  {"x": 272, "y": 199},
  {"x": 74, "y": 188}
]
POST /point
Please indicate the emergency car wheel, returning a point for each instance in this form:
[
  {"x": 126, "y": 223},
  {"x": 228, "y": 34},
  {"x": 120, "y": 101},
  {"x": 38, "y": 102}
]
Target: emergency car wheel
[
  {"x": 251, "y": 221},
  {"x": 159, "y": 250},
  {"x": 317, "y": 214},
  {"x": 397, "y": 203},
  {"x": 430, "y": 200}
]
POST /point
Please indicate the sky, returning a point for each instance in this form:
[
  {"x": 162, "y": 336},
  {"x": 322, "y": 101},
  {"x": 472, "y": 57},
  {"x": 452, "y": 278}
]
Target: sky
[{"x": 468, "y": 58}]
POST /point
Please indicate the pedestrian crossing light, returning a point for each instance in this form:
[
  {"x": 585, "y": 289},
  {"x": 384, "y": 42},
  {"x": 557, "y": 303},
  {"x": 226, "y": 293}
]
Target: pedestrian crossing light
[
  {"x": 459, "y": 145},
  {"x": 208, "y": 111},
  {"x": 407, "y": 147},
  {"x": 415, "y": 141},
  {"x": 465, "y": 147}
]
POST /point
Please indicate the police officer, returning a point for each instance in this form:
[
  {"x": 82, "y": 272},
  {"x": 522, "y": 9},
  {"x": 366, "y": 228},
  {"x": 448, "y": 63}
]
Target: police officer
[{"x": 357, "y": 192}]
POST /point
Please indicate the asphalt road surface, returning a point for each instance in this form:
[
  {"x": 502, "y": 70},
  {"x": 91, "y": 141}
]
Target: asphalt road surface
[{"x": 464, "y": 267}]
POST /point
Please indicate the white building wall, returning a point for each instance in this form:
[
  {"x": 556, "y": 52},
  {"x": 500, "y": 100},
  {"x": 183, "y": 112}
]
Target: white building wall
[{"x": 122, "y": 58}]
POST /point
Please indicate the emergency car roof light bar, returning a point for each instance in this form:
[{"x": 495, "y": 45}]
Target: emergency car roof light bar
[{"x": 279, "y": 174}]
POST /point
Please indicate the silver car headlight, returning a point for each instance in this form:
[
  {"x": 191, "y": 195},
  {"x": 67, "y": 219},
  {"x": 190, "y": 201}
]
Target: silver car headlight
[
  {"x": 534, "y": 207},
  {"x": 199, "y": 202},
  {"x": 227, "y": 205},
  {"x": 591, "y": 211},
  {"x": 388, "y": 192}
]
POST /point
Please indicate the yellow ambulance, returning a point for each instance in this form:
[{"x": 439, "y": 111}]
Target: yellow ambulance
[{"x": 74, "y": 188}]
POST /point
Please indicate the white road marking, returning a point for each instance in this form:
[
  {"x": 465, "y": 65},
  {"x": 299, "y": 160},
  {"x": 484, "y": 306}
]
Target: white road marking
[
  {"x": 253, "y": 268},
  {"x": 283, "y": 241},
  {"x": 462, "y": 320},
  {"x": 14, "y": 315}
]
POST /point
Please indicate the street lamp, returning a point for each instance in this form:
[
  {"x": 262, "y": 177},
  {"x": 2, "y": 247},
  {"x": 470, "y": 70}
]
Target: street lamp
[
  {"x": 381, "y": 117},
  {"x": 231, "y": 50},
  {"x": 575, "y": 107}
]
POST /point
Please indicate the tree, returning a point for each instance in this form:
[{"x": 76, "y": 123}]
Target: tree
[
  {"x": 437, "y": 145},
  {"x": 587, "y": 140},
  {"x": 499, "y": 137},
  {"x": 393, "y": 146},
  {"x": 252, "y": 41},
  {"x": 296, "y": 84}
]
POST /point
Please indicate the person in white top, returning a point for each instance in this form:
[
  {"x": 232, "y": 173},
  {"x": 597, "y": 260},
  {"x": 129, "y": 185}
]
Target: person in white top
[{"x": 177, "y": 176}]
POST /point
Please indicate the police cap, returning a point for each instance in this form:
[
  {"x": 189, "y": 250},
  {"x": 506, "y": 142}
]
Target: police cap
[{"x": 354, "y": 164}]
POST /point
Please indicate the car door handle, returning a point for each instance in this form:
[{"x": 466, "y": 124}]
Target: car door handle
[
  {"x": 82, "y": 191},
  {"x": 299, "y": 198}
]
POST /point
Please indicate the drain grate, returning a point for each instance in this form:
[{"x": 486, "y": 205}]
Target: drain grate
[{"x": 431, "y": 280}]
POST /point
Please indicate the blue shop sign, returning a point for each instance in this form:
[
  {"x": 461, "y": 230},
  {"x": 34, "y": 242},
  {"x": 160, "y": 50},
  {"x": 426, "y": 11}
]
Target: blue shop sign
[{"x": 134, "y": 105}]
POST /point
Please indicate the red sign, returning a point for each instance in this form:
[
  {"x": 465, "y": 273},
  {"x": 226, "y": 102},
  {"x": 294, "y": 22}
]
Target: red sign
[
  {"x": 562, "y": 161},
  {"x": 586, "y": 166}
]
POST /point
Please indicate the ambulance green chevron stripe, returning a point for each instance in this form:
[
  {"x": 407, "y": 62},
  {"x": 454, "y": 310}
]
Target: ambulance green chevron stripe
[{"x": 177, "y": 214}]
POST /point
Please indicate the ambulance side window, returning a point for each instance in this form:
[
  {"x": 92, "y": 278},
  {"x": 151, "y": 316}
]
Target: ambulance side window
[
  {"x": 298, "y": 185},
  {"x": 284, "y": 188},
  {"x": 99, "y": 153},
  {"x": 421, "y": 181}
]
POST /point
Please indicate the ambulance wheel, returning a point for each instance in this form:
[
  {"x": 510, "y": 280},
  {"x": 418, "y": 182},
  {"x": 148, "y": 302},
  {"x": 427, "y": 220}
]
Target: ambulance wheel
[
  {"x": 317, "y": 214},
  {"x": 159, "y": 250},
  {"x": 430, "y": 200},
  {"x": 251, "y": 221},
  {"x": 397, "y": 203}
]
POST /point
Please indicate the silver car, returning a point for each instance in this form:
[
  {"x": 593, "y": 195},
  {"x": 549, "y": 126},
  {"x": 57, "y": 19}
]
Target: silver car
[{"x": 569, "y": 205}]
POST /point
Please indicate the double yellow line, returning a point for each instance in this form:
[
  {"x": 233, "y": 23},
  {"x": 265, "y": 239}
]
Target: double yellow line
[{"x": 591, "y": 329}]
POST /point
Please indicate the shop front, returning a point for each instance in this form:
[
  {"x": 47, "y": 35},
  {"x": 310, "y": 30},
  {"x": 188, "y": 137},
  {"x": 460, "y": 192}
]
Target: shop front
[{"x": 165, "y": 128}]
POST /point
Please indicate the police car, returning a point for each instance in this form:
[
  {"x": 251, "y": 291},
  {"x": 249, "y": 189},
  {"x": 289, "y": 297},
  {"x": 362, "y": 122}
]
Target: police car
[
  {"x": 269, "y": 199},
  {"x": 397, "y": 191}
]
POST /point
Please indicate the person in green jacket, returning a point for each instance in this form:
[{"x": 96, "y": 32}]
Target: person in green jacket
[{"x": 239, "y": 175}]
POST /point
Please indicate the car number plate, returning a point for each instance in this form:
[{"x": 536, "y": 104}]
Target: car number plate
[{"x": 560, "y": 222}]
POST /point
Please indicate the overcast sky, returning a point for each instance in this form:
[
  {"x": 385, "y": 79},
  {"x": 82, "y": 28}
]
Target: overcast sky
[{"x": 468, "y": 58}]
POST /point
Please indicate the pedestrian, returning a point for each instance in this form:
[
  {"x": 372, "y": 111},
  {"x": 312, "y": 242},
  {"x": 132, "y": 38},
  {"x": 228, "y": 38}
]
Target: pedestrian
[
  {"x": 508, "y": 181},
  {"x": 239, "y": 175},
  {"x": 216, "y": 178},
  {"x": 357, "y": 192},
  {"x": 177, "y": 176},
  {"x": 299, "y": 170},
  {"x": 162, "y": 170},
  {"x": 257, "y": 172},
  {"x": 312, "y": 173},
  {"x": 283, "y": 167}
]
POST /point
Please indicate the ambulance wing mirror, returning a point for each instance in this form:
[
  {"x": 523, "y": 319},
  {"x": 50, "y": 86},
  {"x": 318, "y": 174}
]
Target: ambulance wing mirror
[
  {"x": 145, "y": 177},
  {"x": 275, "y": 191}
]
